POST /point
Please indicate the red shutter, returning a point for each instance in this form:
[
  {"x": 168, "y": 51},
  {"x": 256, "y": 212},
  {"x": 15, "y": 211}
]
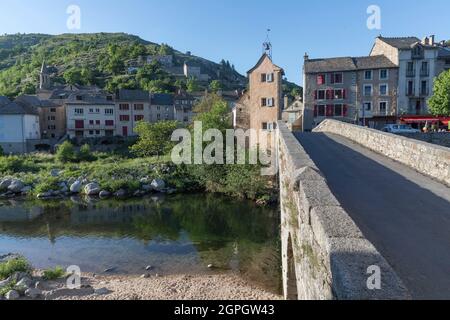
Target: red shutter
[
  {"x": 344, "y": 94},
  {"x": 316, "y": 111},
  {"x": 345, "y": 110},
  {"x": 332, "y": 78},
  {"x": 315, "y": 95},
  {"x": 329, "y": 112},
  {"x": 330, "y": 94}
]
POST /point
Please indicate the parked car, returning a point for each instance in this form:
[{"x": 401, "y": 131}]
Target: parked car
[{"x": 399, "y": 128}]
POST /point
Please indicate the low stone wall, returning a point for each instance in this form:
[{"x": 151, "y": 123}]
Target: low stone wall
[
  {"x": 426, "y": 158},
  {"x": 439, "y": 138},
  {"x": 325, "y": 256}
]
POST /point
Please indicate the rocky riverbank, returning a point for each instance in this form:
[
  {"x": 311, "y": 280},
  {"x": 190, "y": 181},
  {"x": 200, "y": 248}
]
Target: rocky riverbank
[{"x": 149, "y": 286}]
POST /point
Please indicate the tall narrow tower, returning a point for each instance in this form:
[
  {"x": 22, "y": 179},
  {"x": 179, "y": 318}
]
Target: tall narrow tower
[{"x": 44, "y": 78}]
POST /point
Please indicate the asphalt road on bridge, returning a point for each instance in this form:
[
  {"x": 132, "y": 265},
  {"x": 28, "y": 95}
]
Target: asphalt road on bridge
[{"x": 406, "y": 215}]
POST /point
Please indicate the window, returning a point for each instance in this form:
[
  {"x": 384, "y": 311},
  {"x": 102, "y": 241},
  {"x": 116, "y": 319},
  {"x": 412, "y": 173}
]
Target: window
[
  {"x": 384, "y": 74},
  {"x": 79, "y": 124},
  {"x": 320, "y": 79},
  {"x": 383, "y": 107},
  {"x": 410, "y": 88},
  {"x": 79, "y": 111},
  {"x": 109, "y": 98},
  {"x": 91, "y": 122},
  {"x": 263, "y": 77},
  {"x": 109, "y": 123},
  {"x": 53, "y": 110},
  {"x": 91, "y": 110},
  {"x": 447, "y": 61},
  {"x": 424, "y": 88},
  {"x": 124, "y": 107},
  {"x": 158, "y": 116},
  {"x": 338, "y": 109},
  {"x": 270, "y": 102},
  {"x": 321, "y": 95},
  {"x": 91, "y": 132},
  {"x": 270, "y": 77},
  {"x": 124, "y": 117},
  {"x": 367, "y": 106},
  {"x": 52, "y": 127},
  {"x": 339, "y": 94},
  {"x": 321, "y": 111},
  {"x": 263, "y": 102},
  {"x": 424, "y": 71},
  {"x": 109, "y": 111},
  {"x": 410, "y": 69},
  {"x": 383, "y": 89},
  {"x": 97, "y": 110},
  {"x": 139, "y": 107},
  {"x": 264, "y": 125},
  {"x": 138, "y": 118},
  {"x": 79, "y": 98},
  {"x": 97, "y": 132},
  {"x": 337, "y": 78},
  {"x": 51, "y": 118},
  {"x": 97, "y": 122},
  {"x": 158, "y": 108},
  {"x": 367, "y": 90},
  {"x": 368, "y": 75}
]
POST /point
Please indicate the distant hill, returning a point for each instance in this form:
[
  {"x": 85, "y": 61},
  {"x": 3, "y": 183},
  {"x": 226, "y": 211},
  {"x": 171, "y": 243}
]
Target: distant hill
[{"x": 108, "y": 60}]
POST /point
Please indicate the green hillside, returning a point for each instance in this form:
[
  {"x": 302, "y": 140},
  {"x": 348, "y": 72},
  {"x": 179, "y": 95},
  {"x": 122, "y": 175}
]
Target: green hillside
[{"x": 103, "y": 59}]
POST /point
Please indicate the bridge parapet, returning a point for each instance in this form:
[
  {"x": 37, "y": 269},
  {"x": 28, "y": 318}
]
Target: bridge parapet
[
  {"x": 426, "y": 158},
  {"x": 325, "y": 255}
]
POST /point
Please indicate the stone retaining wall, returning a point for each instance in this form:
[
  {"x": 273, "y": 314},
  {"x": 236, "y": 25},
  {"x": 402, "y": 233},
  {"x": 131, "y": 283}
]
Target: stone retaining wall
[
  {"x": 426, "y": 158},
  {"x": 325, "y": 255},
  {"x": 439, "y": 138}
]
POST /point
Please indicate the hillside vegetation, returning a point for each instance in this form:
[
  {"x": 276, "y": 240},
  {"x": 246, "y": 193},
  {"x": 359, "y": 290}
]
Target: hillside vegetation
[{"x": 103, "y": 59}]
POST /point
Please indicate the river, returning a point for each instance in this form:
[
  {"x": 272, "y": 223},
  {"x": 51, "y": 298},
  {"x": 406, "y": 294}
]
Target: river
[{"x": 180, "y": 234}]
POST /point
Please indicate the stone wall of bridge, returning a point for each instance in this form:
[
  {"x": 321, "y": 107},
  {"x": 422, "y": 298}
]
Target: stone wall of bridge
[
  {"x": 426, "y": 158},
  {"x": 325, "y": 255}
]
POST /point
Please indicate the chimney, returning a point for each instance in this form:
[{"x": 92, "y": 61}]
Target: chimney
[
  {"x": 425, "y": 41},
  {"x": 306, "y": 57},
  {"x": 432, "y": 38}
]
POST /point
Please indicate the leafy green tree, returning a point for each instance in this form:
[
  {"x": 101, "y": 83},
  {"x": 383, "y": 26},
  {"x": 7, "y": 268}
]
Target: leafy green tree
[
  {"x": 154, "y": 138},
  {"x": 85, "y": 153},
  {"x": 72, "y": 76},
  {"x": 439, "y": 103},
  {"x": 165, "y": 50},
  {"x": 180, "y": 84},
  {"x": 215, "y": 86},
  {"x": 65, "y": 152},
  {"x": 192, "y": 85}
]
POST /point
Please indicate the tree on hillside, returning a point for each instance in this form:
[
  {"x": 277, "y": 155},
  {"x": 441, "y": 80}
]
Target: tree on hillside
[
  {"x": 73, "y": 76},
  {"x": 192, "y": 85},
  {"x": 206, "y": 103},
  {"x": 215, "y": 86},
  {"x": 154, "y": 138},
  {"x": 439, "y": 103}
]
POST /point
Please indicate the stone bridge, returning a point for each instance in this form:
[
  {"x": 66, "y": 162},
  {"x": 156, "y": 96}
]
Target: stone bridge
[{"x": 365, "y": 215}]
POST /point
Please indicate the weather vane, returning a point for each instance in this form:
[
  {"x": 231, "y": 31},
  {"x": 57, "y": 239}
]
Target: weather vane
[{"x": 267, "y": 45}]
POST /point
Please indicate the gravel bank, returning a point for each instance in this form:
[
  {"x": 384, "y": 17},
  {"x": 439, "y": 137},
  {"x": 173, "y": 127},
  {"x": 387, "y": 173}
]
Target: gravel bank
[{"x": 180, "y": 287}]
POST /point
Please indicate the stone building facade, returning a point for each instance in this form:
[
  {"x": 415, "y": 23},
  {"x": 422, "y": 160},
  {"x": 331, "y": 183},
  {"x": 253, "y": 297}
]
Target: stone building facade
[{"x": 261, "y": 106}]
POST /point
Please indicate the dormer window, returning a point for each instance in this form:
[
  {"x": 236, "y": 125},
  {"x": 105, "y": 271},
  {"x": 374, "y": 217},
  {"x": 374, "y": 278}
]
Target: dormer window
[
  {"x": 79, "y": 98},
  {"x": 417, "y": 52}
]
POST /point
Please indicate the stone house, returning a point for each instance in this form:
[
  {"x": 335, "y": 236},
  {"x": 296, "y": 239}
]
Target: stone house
[
  {"x": 90, "y": 115},
  {"x": 162, "y": 107},
  {"x": 348, "y": 89},
  {"x": 52, "y": 117},
  {"x": 19, "y": 127},
  {"x": 260, "y": 107},
  {"x": 419, "y": 62},
  {"x": 184, "y": 105},
  {"x": 132, "y": 106},
  {"x": 293, "y": 114}
]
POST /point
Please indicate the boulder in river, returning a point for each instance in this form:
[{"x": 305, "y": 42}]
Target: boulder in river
[
  {"x": 16, "y": 186},
  {"x": 92, "y": 189},
  {"x": 4, "y": 184},
  {"x": 158, "y": 185},
  {"x": 76, "y": 187},
  {"x": 12, "y": 295},
  {"x": 104, "y": 194}
]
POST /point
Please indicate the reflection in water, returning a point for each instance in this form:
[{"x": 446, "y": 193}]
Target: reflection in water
[{"x": 177, "y": 234}]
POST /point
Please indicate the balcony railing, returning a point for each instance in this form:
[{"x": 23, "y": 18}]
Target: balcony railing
[
  {"x": 410, "y": 73},
  {"x": 424, "y": 73},
  {"x": 92, "y": 127}
]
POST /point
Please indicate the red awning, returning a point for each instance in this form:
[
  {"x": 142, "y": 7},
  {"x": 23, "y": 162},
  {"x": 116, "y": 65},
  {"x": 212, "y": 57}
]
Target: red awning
[{"x": 423, "y": 119}]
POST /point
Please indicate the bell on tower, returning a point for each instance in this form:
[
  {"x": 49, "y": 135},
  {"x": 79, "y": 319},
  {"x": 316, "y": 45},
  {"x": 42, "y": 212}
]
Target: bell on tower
[{"x": 267, "y": 45}]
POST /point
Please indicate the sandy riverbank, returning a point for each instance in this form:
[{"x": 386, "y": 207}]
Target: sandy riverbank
[{"x": 179, "y": 287}]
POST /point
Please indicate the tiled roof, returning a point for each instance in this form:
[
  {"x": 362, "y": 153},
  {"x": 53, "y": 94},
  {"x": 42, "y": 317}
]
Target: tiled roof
[
  {"x": 263, "y": 57},
  {"x": 400, "y": 43},
  {"x": 162, "y": 99},
  {"x": 36, "y": 102},
  {"x": 13, "y": 108},
  {"x": 373, "y": 62},
  {"x": 4, "y": 100},
  {"x": 348, "y": 64},
  {"x": 329, "y": 65},
  {"x": 88, "y": 99},
  {"x": 444, "y": 52},
  {"x": 133, "y": 95}
]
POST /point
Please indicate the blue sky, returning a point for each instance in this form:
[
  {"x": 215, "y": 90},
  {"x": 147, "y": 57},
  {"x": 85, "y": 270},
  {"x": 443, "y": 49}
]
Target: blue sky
[{"x": 235, "y": 29}]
